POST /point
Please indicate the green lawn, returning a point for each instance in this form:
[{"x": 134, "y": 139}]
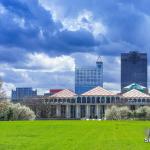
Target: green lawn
[{"x": 73, "y": 135}]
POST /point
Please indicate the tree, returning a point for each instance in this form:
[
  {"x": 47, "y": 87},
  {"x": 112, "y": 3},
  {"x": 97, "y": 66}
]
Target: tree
[
  {"x": 20, "y": 112},
  {"x": 2, "y": 92},
  {"x": 148, "y": 113},
  {"x": 124, "y": 112},
  {"x": 4, "y": 110},
  {"x": 10, "y": 111},
  {"x": 143, "y": 112},
  {"x": 117, "y": 113},
  {"x": 113, "y": 113}
]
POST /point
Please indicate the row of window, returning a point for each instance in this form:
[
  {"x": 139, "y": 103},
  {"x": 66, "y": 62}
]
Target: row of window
[
  {"x": 97, "y": 100},
  {"x": 139, "y": 100}
]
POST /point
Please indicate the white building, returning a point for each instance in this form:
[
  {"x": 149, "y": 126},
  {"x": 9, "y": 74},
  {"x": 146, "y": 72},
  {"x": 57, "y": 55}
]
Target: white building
[{"x": 91, "y": 104}]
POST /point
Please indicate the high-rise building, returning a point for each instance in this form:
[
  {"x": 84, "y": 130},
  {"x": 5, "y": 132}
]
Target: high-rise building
[
  {"x": 88, "y": 77},
  {"x": 20, "y": 93},
  {"x": 133, "y": 69}
]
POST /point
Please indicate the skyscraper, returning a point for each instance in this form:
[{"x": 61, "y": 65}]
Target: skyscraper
[
  {"x": 88, "y": 77},
  {"x": 133, "y": 68},
  {"x": 20, "y": 93}
]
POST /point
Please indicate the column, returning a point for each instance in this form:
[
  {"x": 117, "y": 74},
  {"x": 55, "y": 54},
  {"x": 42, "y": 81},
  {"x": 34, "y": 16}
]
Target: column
[
  {"x": 67, "y": 111},
  {"x": 78, "y": 111},
  {"x": 87, "y": 111},
  {"x": 100, "y": 111},
  {"x": 58, "y": 110},
  {"x": 102, "y": 107},
  {"x": 97, "y": 111}
]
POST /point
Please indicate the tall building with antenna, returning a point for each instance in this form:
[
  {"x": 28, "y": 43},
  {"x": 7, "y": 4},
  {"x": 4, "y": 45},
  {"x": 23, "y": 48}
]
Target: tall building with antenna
[{"x": 88, "y": 77}]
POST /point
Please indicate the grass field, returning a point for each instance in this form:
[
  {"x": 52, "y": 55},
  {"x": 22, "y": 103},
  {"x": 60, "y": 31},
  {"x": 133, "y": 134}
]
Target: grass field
[{"x": 73, "y": 135}]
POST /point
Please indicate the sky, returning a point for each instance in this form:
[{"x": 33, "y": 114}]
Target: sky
[{"x": 41, "y": 41}]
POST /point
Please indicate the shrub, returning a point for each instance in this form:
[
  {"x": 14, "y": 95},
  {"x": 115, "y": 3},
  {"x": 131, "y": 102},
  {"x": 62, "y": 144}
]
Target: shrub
[
  {"x": 112, "y": 113},
  {"x": 124, "y": 112},
  {"x": 148, "y": 112},
  {"x": 4, "y": 110},
  {"x": 10, "y": 111},
  {"x": 20, "y": 112},
  {"x": 117, "y": 113},
  {"x": 143, "y": 112}
]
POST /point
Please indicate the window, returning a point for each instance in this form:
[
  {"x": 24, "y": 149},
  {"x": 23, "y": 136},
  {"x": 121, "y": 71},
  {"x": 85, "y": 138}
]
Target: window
[
  {"x": 112, "y": 99},
  {"x": 93, "y": 99},
  {"x": 103, "y": 100},
  {"x": 98, "y": 99},
  {"x": 88, "y": 100},
  {"x": 72, "y": 100},
  {"x": 83, "y": 99},
  {"x": 68, "y": 100},
  {"x": 107, "y": 99},
  {"x": 79, "y": 100},
  {"x": 117, "y": 99}
]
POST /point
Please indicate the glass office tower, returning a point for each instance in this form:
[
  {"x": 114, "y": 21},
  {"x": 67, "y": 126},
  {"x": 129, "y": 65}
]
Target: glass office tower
[
  {"x": 88, "y": 77},
  {"x": 133, "y": 69},
  {"x": 20, "y": 93}
]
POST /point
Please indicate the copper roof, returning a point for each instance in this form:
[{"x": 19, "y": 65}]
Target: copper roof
[
  {"x": 64, "y": 94},
  {"x": 135, "y": 93},
  {"x": 98, "y": 91}
]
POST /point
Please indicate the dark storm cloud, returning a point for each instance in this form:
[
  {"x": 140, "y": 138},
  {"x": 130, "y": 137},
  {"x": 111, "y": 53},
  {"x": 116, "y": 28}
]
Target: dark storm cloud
[
  {"x": 127, "y": 22},
  {"x": 22, "y": 24},
  {"x": 80, "y": 38},
  {"x": 27, "y": 25}
]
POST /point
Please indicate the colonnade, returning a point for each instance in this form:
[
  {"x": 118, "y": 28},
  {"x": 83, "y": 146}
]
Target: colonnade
[{"x": 79, "y": 111}]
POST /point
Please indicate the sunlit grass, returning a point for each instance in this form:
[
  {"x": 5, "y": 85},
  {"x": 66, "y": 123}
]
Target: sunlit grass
[{"x": 73, "y": 135}]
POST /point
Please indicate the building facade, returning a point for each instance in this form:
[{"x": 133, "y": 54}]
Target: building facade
[
  {"x": 88, "y": 77},
  {"x": 91, "y": 104},
  {"x": 20, "y": 93},
  {"x": 133, "y": 69}
]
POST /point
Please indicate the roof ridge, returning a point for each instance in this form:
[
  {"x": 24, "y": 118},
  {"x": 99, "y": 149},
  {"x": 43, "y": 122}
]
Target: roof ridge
[
  {"x": 63, "y": 92},
  {"x": 135, "y": 93},
  {"x": 98, "y": 91}
]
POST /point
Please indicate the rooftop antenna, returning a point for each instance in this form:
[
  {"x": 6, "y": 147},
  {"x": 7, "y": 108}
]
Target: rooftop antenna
[
  {"x": 99, "y": 62},
  {"x": 99, "y": 59}
]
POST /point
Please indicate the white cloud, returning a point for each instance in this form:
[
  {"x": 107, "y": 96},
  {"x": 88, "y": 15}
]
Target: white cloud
[
  {"x": 2, "y": 9},
  {"x": 51, "y": 64},
  {"x": 19, "y": 21},
  {"x": 85, "y": 20},
  {"x": 85, "y": 59},
  {"x": 55, "y": 10},
  {"x": 115, "y": 87},
  {"x": 2, "y": 74}
]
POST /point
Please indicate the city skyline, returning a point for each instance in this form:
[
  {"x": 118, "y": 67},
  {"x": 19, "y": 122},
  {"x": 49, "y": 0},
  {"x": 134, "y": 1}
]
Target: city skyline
[
  {"x": 41, "y": 49},
  {"x": 117, "y": 90}
]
